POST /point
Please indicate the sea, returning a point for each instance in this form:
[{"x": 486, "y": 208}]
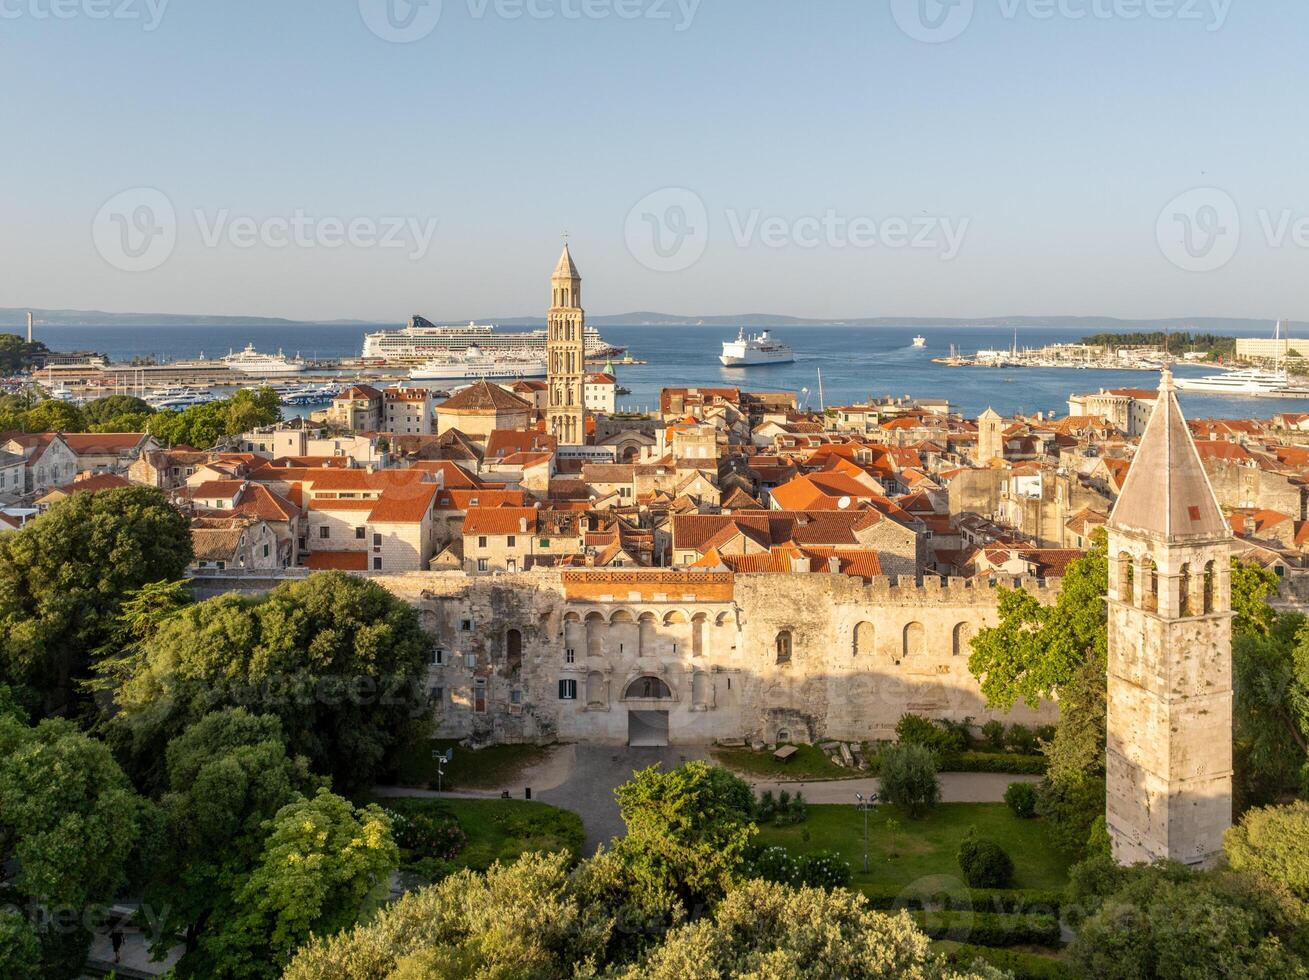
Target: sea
[{"x": 835, "y": 365}]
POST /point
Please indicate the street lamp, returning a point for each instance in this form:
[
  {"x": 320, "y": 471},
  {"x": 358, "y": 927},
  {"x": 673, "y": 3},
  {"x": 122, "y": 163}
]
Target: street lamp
[
  {"x": 865, "y": 805},
  {"x": 441, "y": 759}
]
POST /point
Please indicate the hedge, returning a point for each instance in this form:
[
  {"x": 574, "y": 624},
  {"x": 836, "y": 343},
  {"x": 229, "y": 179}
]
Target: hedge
[
  {"x": 990, "y": 928},
  {"x": 1007, "y": 762},
  {"x": 1023, "y": 966},
  {"x": 1020, "y": 900}
]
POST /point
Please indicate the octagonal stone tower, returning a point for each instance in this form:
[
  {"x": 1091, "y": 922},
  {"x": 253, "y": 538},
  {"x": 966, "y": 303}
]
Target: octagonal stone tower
[{"x": 1169, "y": 763}]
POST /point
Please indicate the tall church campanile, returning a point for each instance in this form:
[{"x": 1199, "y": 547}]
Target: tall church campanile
[
  {"x": 1169, "y": 763},
  {"x": 565, "y": 355}
]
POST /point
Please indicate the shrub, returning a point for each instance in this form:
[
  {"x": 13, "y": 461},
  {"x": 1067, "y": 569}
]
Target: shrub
[
  {"x": 1029, "y": 901},
  {"x": 984, "y": 863},
  {"x": 1045, "y": 734},
  {"x": 990, "y": 929},
  {"x": 428, "y": 835},
  {"x": 799, "y": 810},
  {"x": 916, "y": 730},
  {"x": 1021, "y": 739},
  {"x": 1021, "y": 798},
  {"x": 1021, "y": 965},
  {"x": 993, "y": 732},
  {"x": 1271, "y": 842},
  {"x": 766, "y": 807},
  {"x": 908, "y": 776},
  {"x": 1070, "y": 806},
  {"x": 825, "y": 869},
  {"x": 775, "y": 864},
  {"x": 1005, "y": 762},
  {"x": 1098, "y": 844}
]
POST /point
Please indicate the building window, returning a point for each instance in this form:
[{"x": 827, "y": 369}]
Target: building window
[
  {"x": 438, "y": 657},
  {"x": 511, "y": 541},
  {"x": 466, "y": 625},
  {"x": 570, "y": 656},
  {"x": 479, "y": 696},
  {"x": 784, "y": 647},
  {"x": 515, "y": 696},
  {"x": 545, "y": 542},
  {"x": 377, "y": 540},
  {"x": 360, "y": 532},
  {"x": 481, "y": 565},
  {"x": 324, "y": 531},
  {"x": 481, "y": 541},
  {"x": 377, "y": 563},
  {"x": 470, "y": 661},
  {"x": 568, "y": 690}
]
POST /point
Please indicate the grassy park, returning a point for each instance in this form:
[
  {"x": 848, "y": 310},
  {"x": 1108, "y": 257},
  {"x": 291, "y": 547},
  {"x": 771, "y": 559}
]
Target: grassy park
[
  {"x": 809, "y": 763},
  {"x": 902, "y": 850},
  {"x": 469, "y": 769}
]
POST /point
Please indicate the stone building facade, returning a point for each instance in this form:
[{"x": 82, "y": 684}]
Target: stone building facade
[
  {"x": 565, "y": 355},
  {"x": 669, "y": 657}
]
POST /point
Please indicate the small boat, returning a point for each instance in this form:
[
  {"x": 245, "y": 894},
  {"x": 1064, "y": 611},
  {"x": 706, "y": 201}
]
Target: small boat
[{"x": 920, "y": 341}]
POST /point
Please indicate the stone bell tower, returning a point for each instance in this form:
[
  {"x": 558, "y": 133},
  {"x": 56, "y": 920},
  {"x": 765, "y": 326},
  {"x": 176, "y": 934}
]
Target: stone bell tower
[
  {"x": 565, "y": 355},
  {"x": 1169, "y": 766}
]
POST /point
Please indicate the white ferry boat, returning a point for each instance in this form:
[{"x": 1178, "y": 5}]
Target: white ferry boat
[
  {"x": 758, "y": 349},
  {"x": 422, "y": 339},
  {"x": 250, "y": 361},
  {"x": 475, "y": 365},
  {"x": 920, "y": 341}
]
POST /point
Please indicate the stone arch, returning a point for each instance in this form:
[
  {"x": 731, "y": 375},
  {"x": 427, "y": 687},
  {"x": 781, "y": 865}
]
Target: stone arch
[
  {"x": 1149, "y": 585},
  {"x": 594, "y": 641},
  {"x": 784, "y": 647},
  {"x": 722, "y": 619},
  {"x": 700, "y": 689},
  {"x": 648, "y": 688},
  {"x": 961, "y": 638},
  {"x": 914, "y": 640},
  {"x": 1207, "y": 588},
  {"x": 675, "y": 617},
  {"x": 865, "y": 639},
  {"x": 1184, "y": 585},
  {"x": 646, "y": 635},
  {"x": 699, "y": 630},
  {"x": 596, "y": 693},
  {"x": 1126, "y": 578}
]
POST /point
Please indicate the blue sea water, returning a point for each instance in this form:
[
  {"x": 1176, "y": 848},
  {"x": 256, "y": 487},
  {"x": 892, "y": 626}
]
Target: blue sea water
[{"x": 855, "y": 362}]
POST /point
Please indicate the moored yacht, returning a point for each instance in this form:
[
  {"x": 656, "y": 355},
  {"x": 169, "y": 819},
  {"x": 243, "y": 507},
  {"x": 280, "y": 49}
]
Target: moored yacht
[
  {"x": 250, "y": 361},
  {"x": 1248, "y": 382},
  {"x": 758, "y": 349}
]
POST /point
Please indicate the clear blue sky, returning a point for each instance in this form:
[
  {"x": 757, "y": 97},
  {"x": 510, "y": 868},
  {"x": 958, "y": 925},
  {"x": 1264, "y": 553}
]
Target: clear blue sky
[{"x": 1054, "y": 143}]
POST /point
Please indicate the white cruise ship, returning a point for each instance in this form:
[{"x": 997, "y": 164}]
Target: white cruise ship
[
  {"x": 250, "y": 361},
  {"x": 1249, "y": 382},
  {"x": 920, "y": 341},
  {"x": 475, "y": 365},
  {"x": 422, "y": 339},
  {"x": 758, "y": 349}
]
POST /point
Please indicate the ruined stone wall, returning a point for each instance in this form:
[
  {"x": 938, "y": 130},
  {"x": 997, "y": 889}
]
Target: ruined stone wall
[{"x": 792, "y": 657}]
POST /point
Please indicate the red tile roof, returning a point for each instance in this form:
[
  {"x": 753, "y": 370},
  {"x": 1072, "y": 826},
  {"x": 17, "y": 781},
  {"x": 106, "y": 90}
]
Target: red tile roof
[
  {"x": 501, "y": 520},
  {"x": 407, "y": 506}
]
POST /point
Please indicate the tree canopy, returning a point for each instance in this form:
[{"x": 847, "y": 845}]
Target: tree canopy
[
  {"x": 201, "y": 426},
  {"x": 337, "y": 659},
  {"x": 64, "y": 577}
]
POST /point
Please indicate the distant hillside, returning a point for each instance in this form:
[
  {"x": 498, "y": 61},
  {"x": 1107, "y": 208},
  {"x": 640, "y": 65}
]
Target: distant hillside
[{"x": 11, "y": 319}]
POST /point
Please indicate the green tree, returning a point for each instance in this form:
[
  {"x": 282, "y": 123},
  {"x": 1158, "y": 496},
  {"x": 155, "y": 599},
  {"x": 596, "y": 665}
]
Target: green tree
[
  {"x": 686, "y": 833},
  {"x": 53, "y": 416},
  {"x": 1169, "y": 922},
  {"x": 323, "y": 863},
  {"x": 202, "y": 426},
  {"x": 101, "y": 410},
  {"x": 1272, "y": 843},
  {"x": 64, "y": 576},
  {"x": 1270, "y": 676},
  {"x": 71, "y": 824},
  {"x": 768, "y": 931},
  {"x": 20, "y": 951},
  {"x": 336, "y": 658},
  {"x": 228, "y": 774},
  {"x": 16, "y": 354},
  {"x": 519, "y": 920},
  {"x": 907, "y": 773}
]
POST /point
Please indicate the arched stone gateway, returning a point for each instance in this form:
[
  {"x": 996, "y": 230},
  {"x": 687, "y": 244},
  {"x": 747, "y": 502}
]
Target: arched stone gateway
[
  {"x": 648, "y": 688},
  {"x": 647, "y": 726}
]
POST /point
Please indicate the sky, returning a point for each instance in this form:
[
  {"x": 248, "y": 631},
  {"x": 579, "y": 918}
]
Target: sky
[{"x": 322, "y": 159}]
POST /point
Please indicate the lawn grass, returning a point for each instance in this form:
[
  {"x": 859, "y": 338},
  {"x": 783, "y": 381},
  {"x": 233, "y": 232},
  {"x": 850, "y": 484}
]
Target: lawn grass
[
  {"x": 917, "y": 849},
  {"x": 489, "y": 768},
  {"x": 500, "y": 830},
  {"x": 808, "y": 763}
]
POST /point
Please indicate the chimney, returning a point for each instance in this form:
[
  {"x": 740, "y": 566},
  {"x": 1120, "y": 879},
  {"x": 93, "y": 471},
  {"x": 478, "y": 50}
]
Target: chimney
[{"x": 522, "y": 525}]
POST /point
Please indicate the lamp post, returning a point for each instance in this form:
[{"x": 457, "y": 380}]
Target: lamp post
[
  {"x": 441, "y": 759},
  {"x": 865, "y": 805}
]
